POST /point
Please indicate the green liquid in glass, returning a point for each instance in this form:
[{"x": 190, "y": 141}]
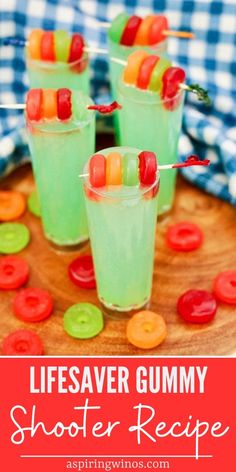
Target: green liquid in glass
[
  {"x": 59, "y": 74},
  {"x": 59, "y": 152},
  {"x": 122, "y": 225},
  {"x": 144, "y": 122},
  {"x": 122, "y": 52}
]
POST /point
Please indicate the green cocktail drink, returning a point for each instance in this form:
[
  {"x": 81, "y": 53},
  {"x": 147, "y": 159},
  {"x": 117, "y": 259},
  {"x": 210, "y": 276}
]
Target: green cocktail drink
[
  {"x": 122, "y": 222},
  {"x": 121, "y": 52},
  {"x": 59, "y": 151},
  {"x": 145, "y": 122},
  {"x": 44, "y": 74}
]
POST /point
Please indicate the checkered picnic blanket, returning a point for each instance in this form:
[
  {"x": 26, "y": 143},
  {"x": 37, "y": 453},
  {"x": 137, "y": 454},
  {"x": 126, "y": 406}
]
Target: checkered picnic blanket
[{"x": 209, "y": 60}]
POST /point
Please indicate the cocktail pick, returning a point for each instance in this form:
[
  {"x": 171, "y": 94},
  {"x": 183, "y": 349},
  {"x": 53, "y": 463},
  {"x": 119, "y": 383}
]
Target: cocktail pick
[
  {"x": 22, "y": 42},
  {"x": 202, "y": 94},
  {"x": 19, "y": 41},
  {"x": 102, "y": 109},
  {"x": 177, "y": 34},
  {"x": 192, "y": 160}
]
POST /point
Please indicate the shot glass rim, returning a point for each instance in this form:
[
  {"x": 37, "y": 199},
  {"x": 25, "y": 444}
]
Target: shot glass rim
[
  {"x": 150, "y": 92},
  {"x": 53, "y": 65},
  {"x": 110, "y": 195}
]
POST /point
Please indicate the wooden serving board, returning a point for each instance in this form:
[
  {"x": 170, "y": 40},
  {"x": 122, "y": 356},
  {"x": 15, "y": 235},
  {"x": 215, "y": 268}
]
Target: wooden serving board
[{"x": 174, "y": 273}]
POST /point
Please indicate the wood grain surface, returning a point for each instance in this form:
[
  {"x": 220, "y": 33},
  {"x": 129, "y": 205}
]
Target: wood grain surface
[{"x": 173, "y": 274}]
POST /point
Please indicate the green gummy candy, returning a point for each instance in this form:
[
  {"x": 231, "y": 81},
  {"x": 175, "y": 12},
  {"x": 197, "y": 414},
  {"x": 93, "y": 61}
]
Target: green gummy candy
[
  {"x": 62, "y": 45},
  {"x": 130, "y": 169},
  {"x": 33, "y": 204},
  {"x": 155, "y": 83},
  {"x": 13, "y": 237},
  {"x": 83, "y": 321},
  {"x": 117, "y": 27}
]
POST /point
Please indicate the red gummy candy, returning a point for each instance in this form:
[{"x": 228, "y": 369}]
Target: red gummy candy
[
  {"x": 172, "y": 78},
  {"x": 14, "y": 272},
  {"x": 33, "y": 304},
  {"x": 47, "y": 47},
  {"x": 76, "y": 48},
  {"x": 159, "y": 25},
  {"x": 130, "y": 31},
  {"x": 225, "y": 287},
  {"x": 197, "y": 306},
  {"x": 145, "y": 71},
  {"x": 81, "y": 272},
  {"x": 34, "y": 104},
  {"x": 97, "y": 170},
  {"x": 64, "y": 104},
  {"x": 184, "y": 236},
  {"x": 22, "y": 342},
  {"x": 147, "y": 167}
]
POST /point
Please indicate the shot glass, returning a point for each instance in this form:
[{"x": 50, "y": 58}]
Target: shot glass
[
  {"x": 122, "y": 52},
  {"x": 59, "y": 152},
  {"x": 122, "y": 223},
  {"x": 145, "y": 122}
]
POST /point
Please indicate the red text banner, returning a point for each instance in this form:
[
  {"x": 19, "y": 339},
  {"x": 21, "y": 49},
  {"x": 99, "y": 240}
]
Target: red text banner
[{"x": 60, "y": 414}]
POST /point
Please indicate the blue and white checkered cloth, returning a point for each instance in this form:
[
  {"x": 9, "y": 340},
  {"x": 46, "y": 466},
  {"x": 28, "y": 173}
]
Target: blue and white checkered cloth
[{"x": 209, "y": 60}]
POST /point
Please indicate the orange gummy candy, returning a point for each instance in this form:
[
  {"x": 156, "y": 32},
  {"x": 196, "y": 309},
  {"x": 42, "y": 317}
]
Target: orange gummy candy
[
  {"x": 49, "y": 104},
  {"x": 12, "y": 205},
  {"x": 142, "y": 36},
  {"x": 35, "y": 38},
  {"x": 113, "y": 169},
  {"x": 134, "y": 63},
  {"x": 146, "y": 329}
]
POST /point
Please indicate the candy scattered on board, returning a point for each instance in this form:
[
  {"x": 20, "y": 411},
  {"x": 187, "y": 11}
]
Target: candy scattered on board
[
  {"x": 197, "y": 306},
  {"x": 83, "y": 321},
  {"x": 32, "y": 304},
  {"x": 14, "y": 272},
  {"x": 33, "y": 204},
  {"x": 22, "y": 342},
  {"x": 184, "y": 236},
  {"x": 81, "y": 272},
  {"x": 13, "y": 237},
  {"x": 225, "y": 287},
  {"x": 12, "y": 205},
  {"x": 146, "y": 329}
]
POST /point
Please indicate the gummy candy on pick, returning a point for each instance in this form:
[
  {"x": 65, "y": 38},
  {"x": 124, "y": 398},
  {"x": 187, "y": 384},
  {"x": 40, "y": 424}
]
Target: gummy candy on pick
[
  {"x": 62, "y": 45},
  {"x": 172, "y": 78},
  {"x": 113, "y": 169},
  {"x": 47, "y": 47},
  {"x": 64, "y": 104},
  {"x": 117, "y": 27},
  {"x": 145, "y": 71},
  {"x": 130, "y": 169},
  {"x": 142, "y": 37},
  {"x": 159, "y": 25},
  {"x": 134, "y": 62},
  {"x": 76, "y": 48},
  {"x": 155, "y": 83},
  {"x": 130, "y": 30},
  {"x": 35, "y": 38}
]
